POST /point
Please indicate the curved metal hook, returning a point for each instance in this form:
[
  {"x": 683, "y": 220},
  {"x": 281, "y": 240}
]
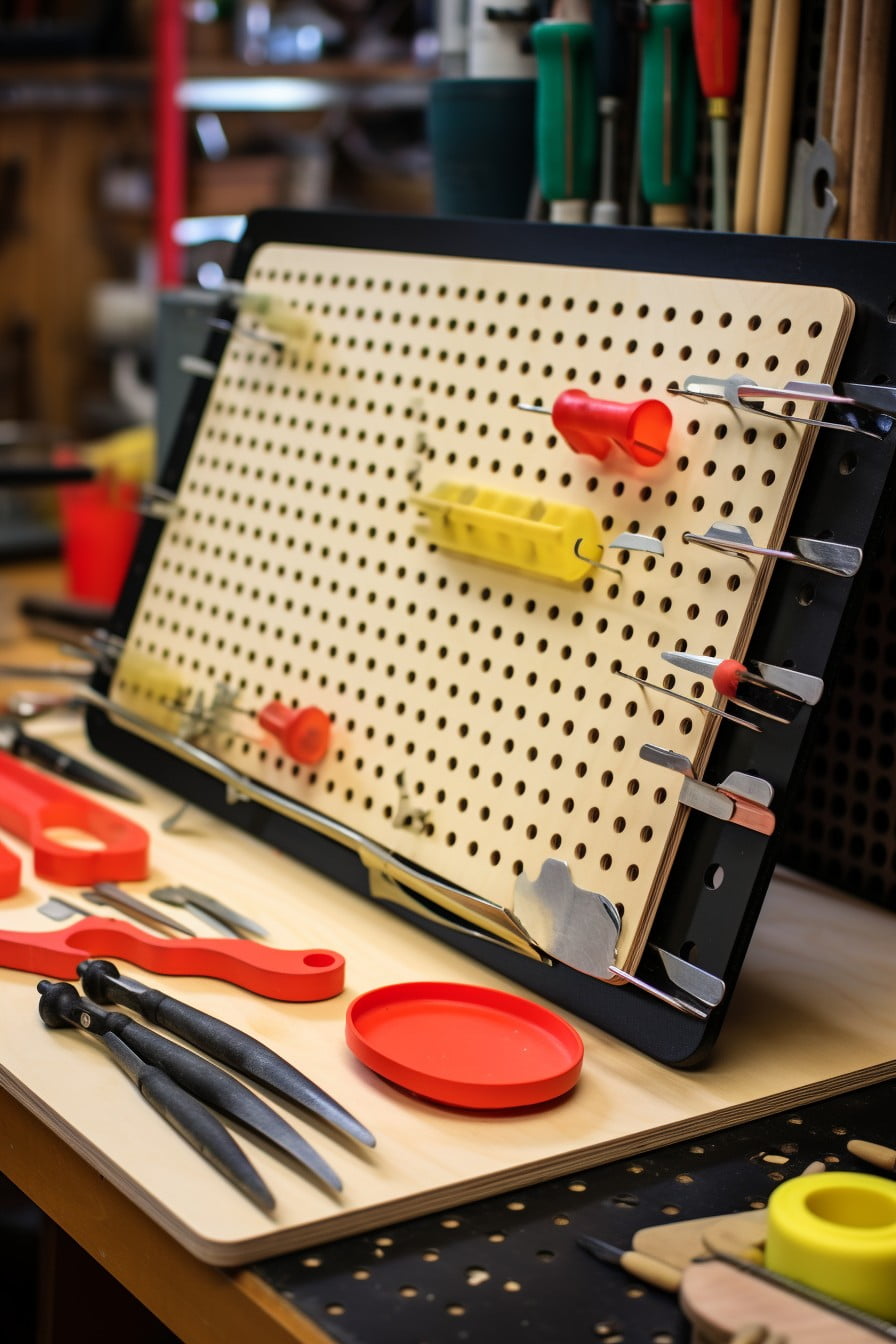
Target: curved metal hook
[{"x": 596, "y": 563}]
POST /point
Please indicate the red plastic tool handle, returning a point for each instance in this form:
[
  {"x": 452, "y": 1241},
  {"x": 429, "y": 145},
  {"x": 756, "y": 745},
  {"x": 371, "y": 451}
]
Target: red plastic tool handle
[
  {"x": 31, "y": 804},
  {"x": 593, "y": 426},
  {"x": 10, "y": 872},
  {"x": 296, "y": 976},
  {"x": 716, "y": 26}
]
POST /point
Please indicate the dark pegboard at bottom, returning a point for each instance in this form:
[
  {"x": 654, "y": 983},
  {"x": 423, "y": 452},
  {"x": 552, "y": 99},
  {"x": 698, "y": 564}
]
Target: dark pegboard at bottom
[{"x": 510, "y": 1267}]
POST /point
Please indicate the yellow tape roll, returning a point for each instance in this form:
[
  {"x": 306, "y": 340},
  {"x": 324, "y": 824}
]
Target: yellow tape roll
[{"x": 836, "y": 1232}]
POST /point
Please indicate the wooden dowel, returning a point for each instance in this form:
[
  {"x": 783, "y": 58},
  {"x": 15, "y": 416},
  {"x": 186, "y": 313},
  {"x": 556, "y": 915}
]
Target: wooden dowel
[
  {"x": 827, "y": 75},
  {"x": 867, "y": 153},
  {"x": 843, "y": 120},
  {"x": 752, "y": 116},
  {"x": 774, "y": 158}
]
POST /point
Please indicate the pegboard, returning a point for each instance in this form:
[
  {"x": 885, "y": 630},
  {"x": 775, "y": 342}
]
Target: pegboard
[{"x": 479, "y": 726}]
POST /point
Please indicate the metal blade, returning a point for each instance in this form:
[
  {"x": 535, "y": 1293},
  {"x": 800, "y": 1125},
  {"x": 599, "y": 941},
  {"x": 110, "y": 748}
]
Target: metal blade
[
  {"x": 704, "y": 986},
  {"x": 706, "y": 798},
  {"x": 222, "y": 930},
  {"x": 181, "y": 895},
  {"x": 578, "y": 927},
  {"x": 56, "y": 908},
  {"x": 753, "y": 788},
  {"x": 697, "y": 663},
  {"x": 107, "y": 893},
  {"x": 787, "y": 679},
  {"x": 248, "y": 1056},
  {"x": 830, "y": 556},
  {"x": 637, "y": 541},
  {"x": 672, "y": 760}
]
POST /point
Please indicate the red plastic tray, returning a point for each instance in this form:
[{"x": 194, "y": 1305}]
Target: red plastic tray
[{"x": 464, "y": 1045}]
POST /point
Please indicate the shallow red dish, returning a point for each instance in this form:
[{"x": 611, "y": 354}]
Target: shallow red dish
[{"x": 464, "y": 1045}]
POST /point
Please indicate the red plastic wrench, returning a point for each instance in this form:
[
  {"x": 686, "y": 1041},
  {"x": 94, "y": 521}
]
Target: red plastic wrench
[
  {"x": 296, "y": 976},
  {"x": 31, "y": 805}
]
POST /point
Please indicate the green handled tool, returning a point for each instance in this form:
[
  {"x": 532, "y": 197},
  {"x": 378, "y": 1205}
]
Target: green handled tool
[
  {"x": 668, "y": 113},
  {"x": 565, "y": 131}
]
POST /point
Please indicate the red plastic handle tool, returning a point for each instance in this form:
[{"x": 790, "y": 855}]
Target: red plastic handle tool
[
  {"x": 593, "y": 426},
  {"x": 716, "y": 25},
  {"x": 10, "y": 872},
  {"x": 296, "y": 976},
  {"x": 31, "y": 804}
]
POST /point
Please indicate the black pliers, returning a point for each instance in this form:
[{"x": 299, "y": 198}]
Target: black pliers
[{"x": 181, "y": 1085}]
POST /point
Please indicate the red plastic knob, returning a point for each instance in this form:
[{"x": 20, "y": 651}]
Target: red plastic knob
[
  {"x": 304, "y": 734},
  {"x": 593, "y": 427},
  {"x": 726, "y": 677}
]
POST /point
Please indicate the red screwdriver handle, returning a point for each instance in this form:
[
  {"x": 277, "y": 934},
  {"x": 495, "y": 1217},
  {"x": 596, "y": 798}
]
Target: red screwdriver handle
[
  {"x": 295, "y": 976},
  {"x": 716, "y": 25},
  {"x": 593, "y": 427}
]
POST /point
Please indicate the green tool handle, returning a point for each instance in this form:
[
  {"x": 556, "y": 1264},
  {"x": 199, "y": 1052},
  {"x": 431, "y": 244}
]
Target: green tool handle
[
  {"x": 565, "y": 120},
  {"x": 668, "y": 112}
]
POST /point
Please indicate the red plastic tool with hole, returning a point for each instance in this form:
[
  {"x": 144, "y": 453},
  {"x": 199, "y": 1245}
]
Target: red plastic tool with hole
[
  {"x": 296, "y": 976},
  {"x": 10, "y": 872},
  {"x": 465, "y": 1045},
  {"x": 31, "y": 805}
]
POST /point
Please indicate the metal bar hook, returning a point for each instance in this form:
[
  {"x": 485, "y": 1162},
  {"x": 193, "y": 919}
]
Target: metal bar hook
[{"x": 596, "y": 563}]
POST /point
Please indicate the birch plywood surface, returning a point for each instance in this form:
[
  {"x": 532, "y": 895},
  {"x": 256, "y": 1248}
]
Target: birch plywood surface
[
  {"x": 478, "y": 724},
  {"x": 811, "y": 1017}
]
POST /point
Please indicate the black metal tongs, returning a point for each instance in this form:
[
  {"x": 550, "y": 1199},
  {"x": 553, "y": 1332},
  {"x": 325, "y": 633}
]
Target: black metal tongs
[{"x": 181, "y": 1084}]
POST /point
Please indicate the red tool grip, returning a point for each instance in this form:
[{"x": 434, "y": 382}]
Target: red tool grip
[
  {"x": 593, "y": 427},
  {"x": 31, "y": 805},
  {"x": 10, "y": 872},
  {"x": 304, "y": 734},
  {"x": 726, "y": 677},
  {"x": 277, "y": 973},
  {"x": 716, "y": 25}
]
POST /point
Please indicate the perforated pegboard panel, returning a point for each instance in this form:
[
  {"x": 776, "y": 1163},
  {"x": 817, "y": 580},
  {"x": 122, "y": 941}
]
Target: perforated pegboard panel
[{"x": 480, "y": 697}]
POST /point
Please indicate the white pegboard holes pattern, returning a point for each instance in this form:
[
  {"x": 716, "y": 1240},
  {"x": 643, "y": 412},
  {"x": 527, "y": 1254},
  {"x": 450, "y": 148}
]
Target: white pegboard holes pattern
[{"x": 477, "y": 703}]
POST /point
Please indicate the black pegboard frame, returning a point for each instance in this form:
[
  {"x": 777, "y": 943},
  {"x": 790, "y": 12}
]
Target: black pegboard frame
[{"x": 715, "y": 891}]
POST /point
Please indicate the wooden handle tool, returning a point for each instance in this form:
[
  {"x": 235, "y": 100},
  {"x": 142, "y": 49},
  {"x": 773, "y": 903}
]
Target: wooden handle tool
[
  {"x": 843, "y": 119},
  {"x": 867, "y": 151},
  {"x": 752, "y": 115},
  {"x": 774, "y": 158}
]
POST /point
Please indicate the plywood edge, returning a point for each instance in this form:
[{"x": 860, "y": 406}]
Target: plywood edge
[{"x": 237, "y": 1253}]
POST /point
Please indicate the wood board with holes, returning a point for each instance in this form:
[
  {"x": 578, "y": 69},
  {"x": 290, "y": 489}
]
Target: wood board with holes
[
  {"x": 427, "y": 1156},
  {"x": 478, "y": 724}
]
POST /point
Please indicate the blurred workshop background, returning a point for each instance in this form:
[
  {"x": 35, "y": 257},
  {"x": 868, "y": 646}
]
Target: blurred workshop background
[{"x": 136, "y": 136}]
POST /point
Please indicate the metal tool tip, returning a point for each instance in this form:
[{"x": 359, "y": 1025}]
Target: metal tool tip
[{"x": 601, "y": 1250}]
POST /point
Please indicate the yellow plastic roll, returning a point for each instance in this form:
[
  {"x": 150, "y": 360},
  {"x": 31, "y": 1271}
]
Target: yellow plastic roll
[
  {"x": 544, "y": 537},
  {"x": 836, "y": 1233},
  {"x": 150, "y": 688}
]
